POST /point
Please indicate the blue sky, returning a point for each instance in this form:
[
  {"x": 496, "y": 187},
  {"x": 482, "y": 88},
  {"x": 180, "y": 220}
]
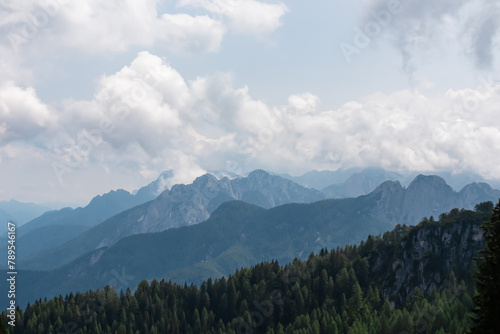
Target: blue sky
[{"x": 97, "y": 96}]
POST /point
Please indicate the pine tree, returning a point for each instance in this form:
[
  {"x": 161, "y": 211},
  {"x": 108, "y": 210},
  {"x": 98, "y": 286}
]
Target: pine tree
[
  {"x": 3, "y": 329},
  {"x": 488, "y": 279}
]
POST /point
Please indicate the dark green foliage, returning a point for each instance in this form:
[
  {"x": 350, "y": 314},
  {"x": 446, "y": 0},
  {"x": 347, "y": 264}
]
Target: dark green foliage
[
  {"x": 488, "y": 279},
  {"x": 236, "y": 235},
  {"x": 3, "y": 329},
  {"x": 335, "y": 291},
  {"x": 291, "y": 299}
]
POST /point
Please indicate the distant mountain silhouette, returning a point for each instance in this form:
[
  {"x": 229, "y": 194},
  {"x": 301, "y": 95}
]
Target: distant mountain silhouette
[{"x": 182, "y": 205}]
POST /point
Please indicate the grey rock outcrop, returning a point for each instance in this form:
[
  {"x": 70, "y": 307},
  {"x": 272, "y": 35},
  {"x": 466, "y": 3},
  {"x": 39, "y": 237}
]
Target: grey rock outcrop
[{"x": 426, "y": 256}]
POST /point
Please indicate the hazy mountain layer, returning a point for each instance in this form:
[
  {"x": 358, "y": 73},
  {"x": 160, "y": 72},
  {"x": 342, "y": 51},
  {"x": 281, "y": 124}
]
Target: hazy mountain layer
[
  {"x": 240, "y": 234},
  {"x": 182, "y": 205}
]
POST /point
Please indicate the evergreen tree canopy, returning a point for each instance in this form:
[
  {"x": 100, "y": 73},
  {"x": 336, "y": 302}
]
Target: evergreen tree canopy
[{"x": 488, "y": 279}]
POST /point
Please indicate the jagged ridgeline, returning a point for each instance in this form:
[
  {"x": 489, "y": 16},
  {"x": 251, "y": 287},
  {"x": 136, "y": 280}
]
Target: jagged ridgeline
[{"x": 410, "y": 280}]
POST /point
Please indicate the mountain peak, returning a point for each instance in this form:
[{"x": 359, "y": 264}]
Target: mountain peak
[
  {"x": 258, "y": 173},
  {"x": 477, "y": 185},
  {"x": 428, "y": 180},
  {"x": 208, "y": 177},
  {"x": 388, "y": 186},
  {"x": 220, "y": 174}
]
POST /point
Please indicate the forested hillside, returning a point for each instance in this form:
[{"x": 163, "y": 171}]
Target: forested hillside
[{"x": 355, "y": 289}]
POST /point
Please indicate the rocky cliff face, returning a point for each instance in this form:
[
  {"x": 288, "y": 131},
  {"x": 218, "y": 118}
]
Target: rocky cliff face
[
  {"x": 427, "y": 196},
  {"x": 426, "y": 257},
  {"x": 191, "y": 204},
  {"x": 182, "y": 205},
  {"x": 389, "y": 197}
]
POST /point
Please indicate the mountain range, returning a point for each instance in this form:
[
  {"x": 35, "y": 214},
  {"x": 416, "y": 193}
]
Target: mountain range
[
  {"x": 21, "y": 213},
  {"x": 360, "y": 183},
  {"x": 55, "y": 227},
  {"x": 408, "y": 280},
  {"x": 185, "y": 205},
  {"x": 180, "y": 206},
  {"x": 237, "y": 233},
  {"x": 202, "y": 232},
  {"x": 240, "y": 234}
]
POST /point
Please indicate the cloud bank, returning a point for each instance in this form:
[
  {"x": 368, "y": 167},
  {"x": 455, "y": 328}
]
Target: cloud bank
[
  {"x": 114, "y": 26},
  {"x": 146, "y": 117}
]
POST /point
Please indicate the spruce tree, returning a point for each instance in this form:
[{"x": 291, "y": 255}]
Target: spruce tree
[{"x": 488, "y": 279}]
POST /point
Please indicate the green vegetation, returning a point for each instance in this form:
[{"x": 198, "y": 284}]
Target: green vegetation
[
  {"x": 488, "y": 285},
  {"x": 236, "y": 235},
  {"x": 355, "y": 289}
]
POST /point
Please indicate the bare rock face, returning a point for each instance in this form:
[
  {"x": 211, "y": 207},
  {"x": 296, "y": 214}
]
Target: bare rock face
[
  {"x": 426, "y": 256},
  {"x": 389, "y": 197},
  {"x": 427, "y": 196},
  {"x": 191, "y": 204},
  {"x": 183, "y": 205}
]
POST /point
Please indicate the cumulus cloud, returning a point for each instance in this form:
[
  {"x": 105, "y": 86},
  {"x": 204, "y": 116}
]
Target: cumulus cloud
[
  {"x": 146, "y": 118},
  {"x": 112, "y": 26},
  {"x": 188, "y": 34},
  {"x": 244, "y": 16},
  {"x": 22, "y": 114},
  {"x": 216, "y": 122}
]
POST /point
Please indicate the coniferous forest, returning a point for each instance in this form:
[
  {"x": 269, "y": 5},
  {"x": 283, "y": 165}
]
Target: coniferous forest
[{"x": 346, "y": 290}]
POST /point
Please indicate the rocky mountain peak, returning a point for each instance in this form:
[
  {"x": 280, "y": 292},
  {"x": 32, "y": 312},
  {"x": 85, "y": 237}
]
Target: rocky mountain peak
[
  {"x": 425, "y": 196},
  {"x": 388, "y": 187},
  {"x": 428, "y": 181},
  {"x": 191, "y": 204},
  {"x": 205, "y": 179},
  {"x": 477, "y": 186},
  {"x": 258, "y": 174}
]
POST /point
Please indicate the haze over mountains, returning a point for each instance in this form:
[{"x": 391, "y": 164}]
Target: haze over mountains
[
  {"x": 240, "y": 234},
  {"x": 431, "y": 264},
  {"x": 80, "y": 244},
  {"x": 107, "y": 219},
  {"x": 21, "y": 212},
  {"x": 182, "y": 205},
  {"x": 353, "y": 182}
]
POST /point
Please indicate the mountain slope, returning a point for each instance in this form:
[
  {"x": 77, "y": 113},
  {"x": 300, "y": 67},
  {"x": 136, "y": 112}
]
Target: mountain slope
[
  {"x": 427, "y": 196},
  {"x": 20, "y": 212},
  {"x": 361, "y": 183},
  {"x": 320, "y": 179},
  {"x": 430, "y": 196},
  {"x": 434, "y": 256},
  {"x": 56, "y": 227},
  {"x": 99, "y": 208},
  {"x": 235, "y": 230},
  {"x": 182, "y": 205}
]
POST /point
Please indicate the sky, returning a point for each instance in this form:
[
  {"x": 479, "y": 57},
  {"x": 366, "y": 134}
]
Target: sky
[{"x": 101, "y": 95}]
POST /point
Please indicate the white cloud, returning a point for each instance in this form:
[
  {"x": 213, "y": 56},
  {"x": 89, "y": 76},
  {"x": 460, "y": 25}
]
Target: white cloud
[
  {"x": 10, "y": 69},
  {"x": 95, "y": 26},
  {"x": 211, "y": 122},
  {"x": 146, "y": 118},
  {"x": 22, "y": 114},
  {"x": 303, "y": 103},
  {"x": 188, "y": 34},
  {"x": 112, "y": 26},
  {"x": 244, "y": 16}
]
